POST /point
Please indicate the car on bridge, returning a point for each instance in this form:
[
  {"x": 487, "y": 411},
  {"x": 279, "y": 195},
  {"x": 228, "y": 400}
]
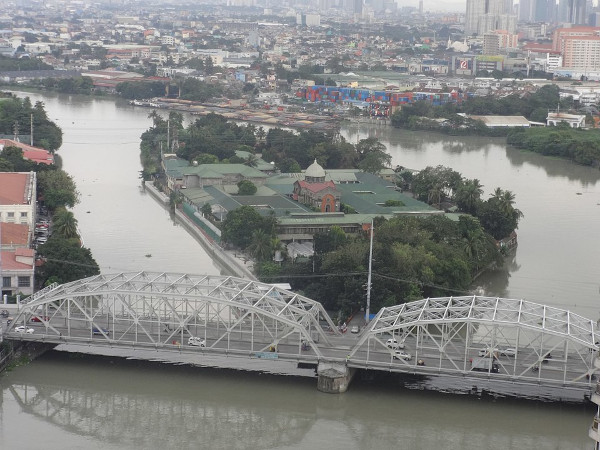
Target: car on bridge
[
  {"x": 509, "y": 351},
  {"x": 399, "y": 354},
  {"x": 99, "y": 331},
  {"x": 40, "y": 318},
  {"x": 394, "y": 344},
  {"x": 196, "y": 342},
  {"x": 24, "y": 329}
]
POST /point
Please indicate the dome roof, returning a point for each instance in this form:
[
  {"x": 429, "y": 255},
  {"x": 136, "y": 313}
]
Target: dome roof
[{"x": 315, "y": 171}]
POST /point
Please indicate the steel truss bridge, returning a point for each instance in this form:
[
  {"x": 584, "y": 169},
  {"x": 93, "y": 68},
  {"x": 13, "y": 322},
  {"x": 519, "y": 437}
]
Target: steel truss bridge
[{"x": 201, "y": 315}]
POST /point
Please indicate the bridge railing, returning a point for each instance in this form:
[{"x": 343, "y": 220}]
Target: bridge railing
[{"x": 39, "y": 293}]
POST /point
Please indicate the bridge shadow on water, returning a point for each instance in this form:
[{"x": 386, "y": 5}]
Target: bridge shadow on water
[{"x": 146, "y": 404}]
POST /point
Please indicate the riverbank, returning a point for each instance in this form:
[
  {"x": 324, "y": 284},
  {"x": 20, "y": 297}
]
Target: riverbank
[
  {"x": 269, "y": 116},
  {"x": 227, "y": 259}
]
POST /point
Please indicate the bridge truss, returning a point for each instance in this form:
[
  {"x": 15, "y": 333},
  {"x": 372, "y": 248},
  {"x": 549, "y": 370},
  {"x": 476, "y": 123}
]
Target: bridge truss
[
  {"x": 167, "y": 310},
  {"x": 481, "y": 336}
]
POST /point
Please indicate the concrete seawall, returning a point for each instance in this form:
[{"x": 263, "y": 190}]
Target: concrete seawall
[{"x": 228, "y": 262}]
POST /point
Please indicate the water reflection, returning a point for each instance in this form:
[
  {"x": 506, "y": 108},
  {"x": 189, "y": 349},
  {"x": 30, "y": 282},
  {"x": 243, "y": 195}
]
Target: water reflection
[
  {"x": 554, "y": 167},
  {"x": 131, "y": 404},
  {"x": 398, "y": 140}
]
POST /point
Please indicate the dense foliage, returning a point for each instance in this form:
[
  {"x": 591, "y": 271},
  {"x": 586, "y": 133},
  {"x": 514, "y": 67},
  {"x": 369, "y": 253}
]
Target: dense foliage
[
  {"x": 445, "y": 118},
  {"x": 14, "y": 64},
  {"x": 16, "y": 114},
  {"x": 71, "y": 85},
  {"x": 194, "y": 89},
  {"x": 64, "y": 261},
  {"x": 412, "y": 258},
  {"x": 57, "y": 189},
  {"x": 580, "y": 146},
  {"x": 240, "y": 224},
  {"x": 441, "y": 185}
]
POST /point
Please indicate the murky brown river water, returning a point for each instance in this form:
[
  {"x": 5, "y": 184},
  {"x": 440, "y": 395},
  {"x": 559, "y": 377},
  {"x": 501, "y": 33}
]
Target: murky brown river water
[{"x": 63, "y": 402}]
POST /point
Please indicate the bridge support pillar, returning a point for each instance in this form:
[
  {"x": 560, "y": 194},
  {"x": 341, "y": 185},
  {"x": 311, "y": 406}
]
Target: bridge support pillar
[{"x": 334, "y": 378}]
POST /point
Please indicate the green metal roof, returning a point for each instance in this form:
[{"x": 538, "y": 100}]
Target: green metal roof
[
  {"x": 371, "y": 190},
  {"x": 219, "y": 170}
]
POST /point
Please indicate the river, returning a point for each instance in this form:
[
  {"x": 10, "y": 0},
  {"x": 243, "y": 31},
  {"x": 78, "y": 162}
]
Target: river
[{"x": 110, "y": 403}]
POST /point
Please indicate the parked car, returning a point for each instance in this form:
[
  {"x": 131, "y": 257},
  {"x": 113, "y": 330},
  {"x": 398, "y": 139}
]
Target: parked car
[
  {"x": 399, "y": 354},
  {"x": 354, "y": 329},
  {"x": 196, "y": 341},
  {"x": 393, "y": 343},
  {"x": 24, "y": 329},
  {"x": 98, "y": 331}
]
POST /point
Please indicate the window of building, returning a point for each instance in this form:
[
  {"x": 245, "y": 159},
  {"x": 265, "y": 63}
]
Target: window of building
[
  {"x": 24, "y": 281},
  {"x": 24, "y": 214},
  {"x": 5, "y": 281}
]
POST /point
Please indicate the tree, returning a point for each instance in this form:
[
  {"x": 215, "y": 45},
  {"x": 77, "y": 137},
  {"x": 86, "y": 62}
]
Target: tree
[
  {"x": 246, "y": 187},
  {"x": 64, "y": 224},
  {"x": 206, "y": 210},
  {"x": 468, "y": 195},
  {"x": 375, "y": 162},
  {"x": 261, "y": 245},
  {"x": 240, "y": 223},
  {"x": 65, "y": 261},
  {"x": 57, "y": 189},
  {"x": 251, "y": 161}
]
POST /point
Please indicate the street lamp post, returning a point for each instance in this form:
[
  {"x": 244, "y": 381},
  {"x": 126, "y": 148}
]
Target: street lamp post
[{"x": 368, "y": 308}]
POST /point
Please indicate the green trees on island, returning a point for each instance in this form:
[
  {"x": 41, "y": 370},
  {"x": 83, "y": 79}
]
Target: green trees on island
[
  {"x": 213, "y": 139},
  {"x": 412, "y": 258},
  {"x": 437, "y": 185}
]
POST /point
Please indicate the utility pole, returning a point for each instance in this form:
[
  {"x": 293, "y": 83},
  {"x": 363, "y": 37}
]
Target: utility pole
[
  {"x": 169, "y": 136},
  {"x": 368, "y": 308}
]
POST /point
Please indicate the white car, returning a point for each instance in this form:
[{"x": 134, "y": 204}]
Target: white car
[
  {"x": 24, "y": 329},
  {"x": 399, "y": 354},
  {"x": 354, "y": 329},
  {"x": 487, "y": 351},
  {"x": 508, "y": 351},
  {"x": 393, "y": 343},
  {"x": 196, "y": 342}
]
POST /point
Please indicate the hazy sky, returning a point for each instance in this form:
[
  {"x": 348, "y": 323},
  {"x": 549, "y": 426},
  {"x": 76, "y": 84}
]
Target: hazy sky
[{"x": 436, "y": 5}]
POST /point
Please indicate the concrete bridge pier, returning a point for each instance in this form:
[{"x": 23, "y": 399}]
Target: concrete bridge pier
[{"x": 334, "y": 378}]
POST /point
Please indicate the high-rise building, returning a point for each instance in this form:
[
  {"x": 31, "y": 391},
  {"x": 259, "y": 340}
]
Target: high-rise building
[
  {"x": 572, "y": 11},
  {"x": 526, "y": 10},
  {"x": 576, "y": 12},
  {"x": 488, "y": 15},
  {"x": 579, "y": 47}
]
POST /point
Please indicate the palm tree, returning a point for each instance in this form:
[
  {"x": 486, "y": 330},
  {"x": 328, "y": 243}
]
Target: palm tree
[
  {"x": 261, "y": 245},
  {"x": 251, "y": 161},
  {"x": 64, "y": 224},
  {"x": 473, "y": 246},
  {"x": 469, "y": 194},
  {"x": 506, "y": 200}
]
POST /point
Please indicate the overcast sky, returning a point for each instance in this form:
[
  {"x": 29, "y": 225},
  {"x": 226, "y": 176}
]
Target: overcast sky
[{"x": 436, "y": 5}]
